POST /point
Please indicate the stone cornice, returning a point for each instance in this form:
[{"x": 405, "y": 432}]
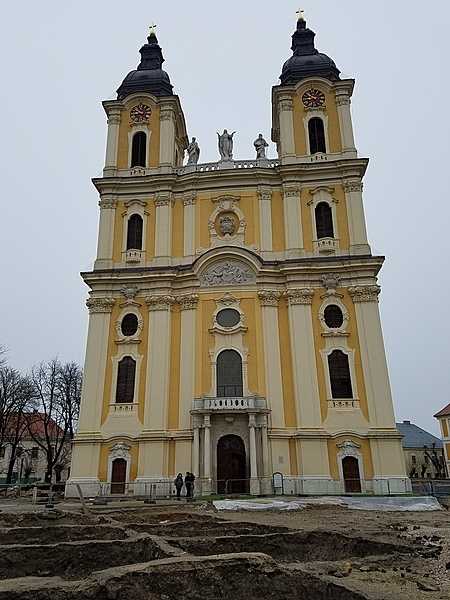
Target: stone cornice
[
  {"x": 364, "y": 293},
  {"x": 100, "y": 305}
]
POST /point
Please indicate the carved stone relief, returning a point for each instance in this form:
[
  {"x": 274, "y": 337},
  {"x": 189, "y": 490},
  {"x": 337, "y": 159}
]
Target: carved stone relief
[{"x": 227, "y": 272}]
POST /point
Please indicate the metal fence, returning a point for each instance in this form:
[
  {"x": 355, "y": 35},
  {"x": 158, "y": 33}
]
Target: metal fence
[{"x": 431, "y": 487}]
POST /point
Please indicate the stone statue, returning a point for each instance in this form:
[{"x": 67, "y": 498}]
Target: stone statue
[
  {"x": 193, "y": 151},
  {"x": 226, "y": 145},
  {"x": 260, "y": 147}
]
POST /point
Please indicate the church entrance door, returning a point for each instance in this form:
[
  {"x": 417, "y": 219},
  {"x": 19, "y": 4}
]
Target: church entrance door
[
  {"x": 352, "y": 478},
  {"x": 231, "y": 466},
  {"x": 118, "y": 476}
]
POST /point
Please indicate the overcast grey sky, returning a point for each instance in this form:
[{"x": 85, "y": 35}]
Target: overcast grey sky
[{"x": 59, "y": 60}]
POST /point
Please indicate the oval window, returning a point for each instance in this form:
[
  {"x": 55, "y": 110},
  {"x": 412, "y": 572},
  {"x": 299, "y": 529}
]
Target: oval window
[
  {"x": 228, "y": 317},
  {"x": 333, "y": 316},
  {"x": 129, "y": 324}
]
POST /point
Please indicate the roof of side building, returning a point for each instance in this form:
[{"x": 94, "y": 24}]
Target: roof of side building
[{"x": 415, "y": 437}]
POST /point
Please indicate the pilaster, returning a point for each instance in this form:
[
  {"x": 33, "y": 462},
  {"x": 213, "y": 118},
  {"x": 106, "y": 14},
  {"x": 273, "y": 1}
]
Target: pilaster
[
  {"x": 265, "y": 217},
  {"x": 189, "y": 201},
  {"x": 303, "y": 357},
  {"x": 112, "y": 142},
  {"x": 286, "y": 115},
  {"x": 188, "y": 305},
  {"x": 163, "y": 233},
  {"x": 167, "y": 136},
  {"x": 292, "y": 220},
  {"x": 105, "y": 242},
  {"x": 356, "y": 219},
  {"x": 345, "y": 121},
  {"x": 269, "y": 300}
]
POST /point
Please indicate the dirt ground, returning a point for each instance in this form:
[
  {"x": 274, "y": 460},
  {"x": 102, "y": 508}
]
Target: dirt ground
[{"x": 192, "y": 552}]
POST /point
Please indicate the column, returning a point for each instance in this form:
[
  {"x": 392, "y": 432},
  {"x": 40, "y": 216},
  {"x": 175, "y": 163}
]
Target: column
[
  {"x": 107, "y": 205},
  {"x": 196, "y": 449},
  {"x": 293, "y": 220},
  {"x": 188, "y": 305},
  {"x": 265, "y": 218},
  {"x": 345, "y": 122},
  {"x": 167, "y": 137},
  {"x": 111, "y": 142},
  {"x": 254, "y": 481},
  {"x": 158, "y": 363},
  {"x": 163, "y": 233},
  {"x": 304, "y": 359},
  {"x": 189, "y": 200},
  {"x": 272, "y": 360},
  {"x": 373, "y": 357},
  {"x": 206, "y": 454},
  {"x": 95, "y": 364},
  {"x": 287, "y": 142},
  {"x": 356, "y": 219}
]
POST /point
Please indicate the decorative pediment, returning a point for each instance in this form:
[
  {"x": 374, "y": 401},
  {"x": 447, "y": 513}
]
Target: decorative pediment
[
  {"x": 120, "y": 450},
  {"x": 227, "y": 272}
]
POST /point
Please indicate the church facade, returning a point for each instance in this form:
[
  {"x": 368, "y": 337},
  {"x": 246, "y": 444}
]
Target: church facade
[{"x": 234, "y": 328}]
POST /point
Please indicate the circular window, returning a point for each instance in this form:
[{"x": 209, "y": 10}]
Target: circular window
[
  {"x": 129, "y": 324},
  {"x": 228, "y": 317},
  {"x": 333, "y": 316}
]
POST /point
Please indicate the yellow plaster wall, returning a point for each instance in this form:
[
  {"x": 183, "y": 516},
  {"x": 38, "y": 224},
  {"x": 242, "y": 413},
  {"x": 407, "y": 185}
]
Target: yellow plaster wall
[
  {"x": 447, "y": 447},
  {"x": 171, "y": 460},
  {"x": 353, "y": 343},
  {"x": 444, "y": 427},
  {"x": 342, "y": 218},
  {"x": 293, "y": 457},
  {"x": 307, "y": 223},
  {"x": 118, "y": 232},
  {"x": 174, "y": 384},
  {"x": 103, "y": 461},
  {"x": 299, "y": 112},
  {"x": 125, "y": 128},
  {"x": 178, "y": 228},
  {"x": 366, "y": 453},
  {"x": 278, "y": 235},
  {"x": 290, "y": 417}
]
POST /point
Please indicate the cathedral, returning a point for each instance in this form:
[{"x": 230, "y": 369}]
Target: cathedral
[{"x": 234, "y": 328}]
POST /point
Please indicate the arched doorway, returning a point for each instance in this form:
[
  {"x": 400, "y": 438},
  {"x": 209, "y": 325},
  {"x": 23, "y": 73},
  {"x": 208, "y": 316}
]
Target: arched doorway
[
  {"x": 231, "y": 465},
  {"x": 229, "y": 374},
  {"x": 118, "y": 476},
  {"x": 352, "y": 477}
]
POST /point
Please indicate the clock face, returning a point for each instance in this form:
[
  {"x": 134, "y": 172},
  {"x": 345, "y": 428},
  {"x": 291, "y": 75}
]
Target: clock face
[
  {"x": 313, "y": 98},
  {"x": 140, "y": 113}
]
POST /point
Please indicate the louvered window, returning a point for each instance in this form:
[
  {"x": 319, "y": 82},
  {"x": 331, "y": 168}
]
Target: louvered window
[
  {"x": 229, "y": 374},
  {"x": 316, "y": 136},
  {"x": 324, "y": 221},
  {"x": 125, "y": 380},
  {"x": 341, "y": 384},
  {"x": 139, "y": 150},
  {"x": 134, "y": 233}
]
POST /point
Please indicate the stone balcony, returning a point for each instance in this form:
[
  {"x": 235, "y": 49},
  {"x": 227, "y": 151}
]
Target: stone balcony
[{"x": 238, "y": 404}]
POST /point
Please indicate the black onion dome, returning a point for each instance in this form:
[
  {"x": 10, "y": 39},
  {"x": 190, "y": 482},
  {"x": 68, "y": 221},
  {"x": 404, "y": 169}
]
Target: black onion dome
[
  {"x": 149, "y": 76},
  {"x": 307, "y": 61}
]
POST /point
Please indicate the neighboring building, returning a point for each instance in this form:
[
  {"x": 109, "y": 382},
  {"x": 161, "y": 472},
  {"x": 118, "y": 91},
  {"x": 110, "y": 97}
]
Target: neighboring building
[
  {"x": 424, "y": 453},
  {"x": 443, "y": 416},
  {"x": 31, "y": 459},
  {"x": 234, "y": 328}
]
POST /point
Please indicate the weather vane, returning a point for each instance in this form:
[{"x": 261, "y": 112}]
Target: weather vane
[{"x": 300, "y": 15}]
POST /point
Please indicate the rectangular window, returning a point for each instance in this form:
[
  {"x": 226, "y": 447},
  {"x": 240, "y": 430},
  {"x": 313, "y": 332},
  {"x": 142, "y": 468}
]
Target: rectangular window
[{"x": 35, "y": 452}]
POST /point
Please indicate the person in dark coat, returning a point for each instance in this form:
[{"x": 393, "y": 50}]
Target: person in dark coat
[
  {"x": 188, "y": 484},
  {"x": 179, "y": 485}
]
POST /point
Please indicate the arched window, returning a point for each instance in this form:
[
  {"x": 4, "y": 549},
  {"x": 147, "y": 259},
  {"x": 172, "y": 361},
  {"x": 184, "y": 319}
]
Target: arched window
[
  {"x": 324, "y": 221},
  {"x": 125, "y": 380},
  {"x": 341, "y": 383},
  {"x": 316, "y": 136},
  {"x": 134, "y": 232},
  {"x": 229, "y": 374},
  {"x": 139, "y": 150}
]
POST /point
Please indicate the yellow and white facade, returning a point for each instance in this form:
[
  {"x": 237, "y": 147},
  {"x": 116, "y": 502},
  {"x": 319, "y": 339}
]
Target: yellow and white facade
[{"x": 271, "y": 269}]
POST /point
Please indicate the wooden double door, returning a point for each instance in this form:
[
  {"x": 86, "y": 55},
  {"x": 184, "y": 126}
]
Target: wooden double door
[{"x": 232, "y": 475}]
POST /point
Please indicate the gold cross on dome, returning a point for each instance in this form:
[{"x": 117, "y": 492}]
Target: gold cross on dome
[
  {"x": 300, "y": 15},
  {"x": 152, "y": 29}
]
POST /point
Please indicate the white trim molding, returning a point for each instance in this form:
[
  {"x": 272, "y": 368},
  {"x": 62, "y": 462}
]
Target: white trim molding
[
  {"x": 119, "y": 450},
  {"x": 324, "y": 245},
  {"x": 349, "y": 448}
]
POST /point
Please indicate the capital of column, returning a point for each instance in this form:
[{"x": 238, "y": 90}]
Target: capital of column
[
  {"x": 206, "y": 421},
  {"x": 286, "y": 104},
  {"x": 114, "y": 118},
  {"x": 189, "y": 198},
  {"x": 364, "y": 293},
  {"x": 342, "y": 99},
  {"x": 269, "y": 297},
  {"x": 163, "y": 199},
  {"x": 265, "y": 193},
  {"x": 189, "y": 302},
  {"x": 159, "y": 302},
  {"x": 252, "y": 420},
  {"x": 167, "y": 114},
  {"x": 100, "y": 305},
  {"x": 108, "y": 202},
  {"x": 353, "y": 186},
  {"x": 291, "y": 191},
  {"x": 302, "y": 296}
]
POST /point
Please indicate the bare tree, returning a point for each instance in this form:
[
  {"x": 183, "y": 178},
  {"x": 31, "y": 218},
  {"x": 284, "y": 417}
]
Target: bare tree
[
  {"x": 57, "y": 391},
  {"x": 16, "y": 399}
]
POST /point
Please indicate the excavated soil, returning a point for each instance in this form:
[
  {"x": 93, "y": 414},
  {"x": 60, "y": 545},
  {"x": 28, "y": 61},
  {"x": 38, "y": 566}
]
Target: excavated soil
[{"x": 166, "y": 554}]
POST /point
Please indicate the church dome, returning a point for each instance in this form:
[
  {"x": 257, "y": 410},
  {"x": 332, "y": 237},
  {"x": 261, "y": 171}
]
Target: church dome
[
  {"x": 306, "y": 60},
  {"x": 149, "y": 76}
]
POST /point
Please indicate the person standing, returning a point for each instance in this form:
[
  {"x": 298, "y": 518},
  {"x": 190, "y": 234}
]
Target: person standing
[
  {"x": 179, "y": 485},
  {"x": 188, "y": 484}
]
